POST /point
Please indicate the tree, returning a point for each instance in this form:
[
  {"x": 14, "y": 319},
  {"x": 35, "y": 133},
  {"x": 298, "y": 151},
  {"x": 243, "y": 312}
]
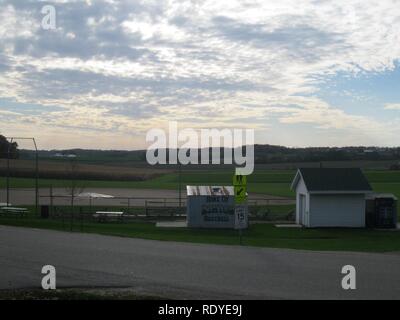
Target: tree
[{"x": 8, "y": 147}]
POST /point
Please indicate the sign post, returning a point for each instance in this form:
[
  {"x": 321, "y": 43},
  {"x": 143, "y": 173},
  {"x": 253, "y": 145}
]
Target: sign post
[{"x": 241, "y": 209}]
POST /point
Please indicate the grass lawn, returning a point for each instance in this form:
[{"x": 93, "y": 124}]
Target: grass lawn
[
  {"x": 60, "y": 183},
  {"x": 259, "y": 235},
  {"x": 261, "y": 181},
  {"x": 387, "y": 187}
]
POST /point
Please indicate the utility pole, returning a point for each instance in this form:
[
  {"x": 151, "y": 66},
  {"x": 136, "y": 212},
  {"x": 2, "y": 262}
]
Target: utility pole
[
  {"x": 8, "y": 173},
  {"x": 36, "y": 179},
  {"x": 180, "y": 182},
  {"x": 51, "y": 200}
]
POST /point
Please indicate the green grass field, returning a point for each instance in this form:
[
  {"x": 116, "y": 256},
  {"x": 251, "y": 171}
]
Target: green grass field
[
  {"x": 272, "y": 182},
  {"x": 259, "y": 235}
]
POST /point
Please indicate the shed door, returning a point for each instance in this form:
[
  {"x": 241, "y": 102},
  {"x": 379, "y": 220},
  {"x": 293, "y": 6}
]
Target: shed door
[{"x": 302, "y": 208}]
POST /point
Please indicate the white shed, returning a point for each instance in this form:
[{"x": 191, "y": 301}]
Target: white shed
[{"x": 330, "y": 197}]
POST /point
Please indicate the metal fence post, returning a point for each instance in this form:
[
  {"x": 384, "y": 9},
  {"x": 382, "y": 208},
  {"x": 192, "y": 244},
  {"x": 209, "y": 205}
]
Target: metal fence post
[
  {"x": 51, "y": 200},
  {"x": 8, "y": 173},
  {"x": 81, "y": 216}
]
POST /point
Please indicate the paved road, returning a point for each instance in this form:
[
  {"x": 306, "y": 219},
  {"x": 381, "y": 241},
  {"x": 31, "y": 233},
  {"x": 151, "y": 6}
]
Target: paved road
[{"x": 190, "y": 270}]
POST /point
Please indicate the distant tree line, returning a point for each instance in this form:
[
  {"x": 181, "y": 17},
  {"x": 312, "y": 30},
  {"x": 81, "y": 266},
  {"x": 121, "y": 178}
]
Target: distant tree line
[
  {"x": 263, "y": 154},
  {"x": 273, "y": 154}
]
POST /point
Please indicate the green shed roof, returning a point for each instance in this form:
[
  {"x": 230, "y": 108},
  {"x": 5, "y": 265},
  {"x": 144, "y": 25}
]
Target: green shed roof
[{"x": 334, "y": 179}]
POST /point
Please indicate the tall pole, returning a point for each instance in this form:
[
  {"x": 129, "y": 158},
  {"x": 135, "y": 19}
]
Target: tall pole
[
  {"x": 51, "y": 200},
  {"x": 72, "y": 193},
  {"x": 36, "y": 178},
  {"x": 180, "y": 183},
  {"x": 8, "y": 173}
]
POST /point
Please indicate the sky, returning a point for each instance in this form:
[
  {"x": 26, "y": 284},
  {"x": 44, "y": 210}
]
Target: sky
[{"x": 300, "y": 73}]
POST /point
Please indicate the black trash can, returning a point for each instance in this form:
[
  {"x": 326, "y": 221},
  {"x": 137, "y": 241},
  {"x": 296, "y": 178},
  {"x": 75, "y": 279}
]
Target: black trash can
[{"x": 44, "y": 212}]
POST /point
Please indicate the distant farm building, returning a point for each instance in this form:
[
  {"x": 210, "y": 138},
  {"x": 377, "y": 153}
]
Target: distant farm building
[
  {"x": 62, "y": 155},
  {"x": 331, "y": 197}
]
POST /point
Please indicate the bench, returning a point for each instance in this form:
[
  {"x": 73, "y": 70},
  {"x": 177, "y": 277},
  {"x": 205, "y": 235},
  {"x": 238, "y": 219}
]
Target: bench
[
  {"x": 14, "y": 210},
  {"x": 103, "y": 216},
  {"x": 5, "y": 204}
]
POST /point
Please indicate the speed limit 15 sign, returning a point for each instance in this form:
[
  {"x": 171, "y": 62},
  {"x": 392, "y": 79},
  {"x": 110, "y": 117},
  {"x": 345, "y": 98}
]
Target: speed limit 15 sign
[{"x": 241, "y": 217}]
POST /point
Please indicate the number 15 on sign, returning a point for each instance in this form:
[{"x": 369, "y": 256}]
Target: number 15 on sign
[{"x": 241, "y": 219}]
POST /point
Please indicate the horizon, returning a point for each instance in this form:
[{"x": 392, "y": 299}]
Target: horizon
[{"x": 255, "y": 145}]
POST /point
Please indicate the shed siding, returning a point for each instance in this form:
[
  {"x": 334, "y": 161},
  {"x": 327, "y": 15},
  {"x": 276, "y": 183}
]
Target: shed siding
[{"x": 338, "y": 210}]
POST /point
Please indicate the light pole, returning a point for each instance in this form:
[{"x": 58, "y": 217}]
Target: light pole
[
  {"x": 36, "y": 178},
  {"x": 8, "y": 173},
  {"x": 180, "y": 183}
]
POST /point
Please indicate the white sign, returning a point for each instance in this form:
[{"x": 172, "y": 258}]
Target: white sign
[{"x": 241, "y": 216}]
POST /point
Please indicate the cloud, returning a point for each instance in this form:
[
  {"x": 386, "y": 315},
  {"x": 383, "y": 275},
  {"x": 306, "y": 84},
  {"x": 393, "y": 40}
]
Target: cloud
[
  {"x": 122, "y": 67},
  {"x": 392, "y": 106}
]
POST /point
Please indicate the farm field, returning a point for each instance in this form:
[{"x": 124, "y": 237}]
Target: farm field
[
  {"x": 86, "y": 171},
  {"x": 267, "y": 182},
  {"x": 272, "y": 182}
]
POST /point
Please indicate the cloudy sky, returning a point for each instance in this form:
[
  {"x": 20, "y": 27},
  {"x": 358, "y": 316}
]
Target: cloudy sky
[{"x": 301, "y": 73}]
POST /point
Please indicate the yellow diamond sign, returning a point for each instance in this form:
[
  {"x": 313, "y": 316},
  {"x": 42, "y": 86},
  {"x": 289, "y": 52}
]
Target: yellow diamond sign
[{"x": 239, "y": 180}]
